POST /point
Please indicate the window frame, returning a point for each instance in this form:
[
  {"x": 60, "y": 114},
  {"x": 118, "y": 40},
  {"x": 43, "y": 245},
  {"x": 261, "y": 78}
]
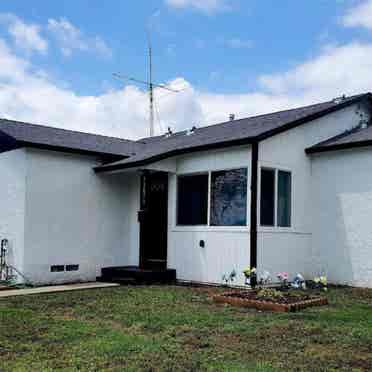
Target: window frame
[
  {"x": 275, "y": 227},
  {"x": 177, "y": 201},
  {"x": 208, "y": 226}
]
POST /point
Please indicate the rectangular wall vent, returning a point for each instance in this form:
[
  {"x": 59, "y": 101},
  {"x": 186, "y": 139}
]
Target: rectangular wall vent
[
  {"x": 72, "y": 267},
  {"x": 57, "y": 268}
]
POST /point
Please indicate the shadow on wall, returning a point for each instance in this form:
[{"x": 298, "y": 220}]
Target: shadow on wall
[
  {"x": 284, "y": 251},
  {"x": 342, "y": 222}
]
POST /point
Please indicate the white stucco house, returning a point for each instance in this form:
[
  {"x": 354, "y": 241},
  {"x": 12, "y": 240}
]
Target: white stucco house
[{"x": 287, "y": 191}]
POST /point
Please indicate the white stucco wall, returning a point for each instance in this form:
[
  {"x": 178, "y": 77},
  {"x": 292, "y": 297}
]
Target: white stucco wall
[
  {"x": 74, "y": 216},
  {"x": 12, "y": 208},
  {"x": 226, "y": 248},
  {"x": 57, "y": 211},
  {"x": 290, "y": 249},
  {"x": 342, "y": 205}
]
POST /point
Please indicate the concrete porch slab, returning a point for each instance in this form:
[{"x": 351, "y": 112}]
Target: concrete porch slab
[{"x": 55, "y": 288}]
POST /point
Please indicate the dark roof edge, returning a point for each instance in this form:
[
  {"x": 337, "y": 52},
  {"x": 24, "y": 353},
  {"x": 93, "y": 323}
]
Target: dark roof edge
[
  {"x": 317, "y": 115},
  {"x": 166, "y": 155},
  {"x": 70, "y": 150},
  {"x": 340, "y": 146},
  {"x": 68, "y": 130},
  {"x": 248, "y": 140},
  {"x": 7, "y": 142}
]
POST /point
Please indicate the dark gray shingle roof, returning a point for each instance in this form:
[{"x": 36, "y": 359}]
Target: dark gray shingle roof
[
  {"x": 228, "y": 133},
  {"x": 15, "y": 134},
  {"x": 39, "y": 135},
  {"x": 355, "y": 138}
]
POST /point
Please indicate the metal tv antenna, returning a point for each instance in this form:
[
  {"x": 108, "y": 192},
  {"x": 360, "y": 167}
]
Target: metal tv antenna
[{"x": 151, "y": 85}]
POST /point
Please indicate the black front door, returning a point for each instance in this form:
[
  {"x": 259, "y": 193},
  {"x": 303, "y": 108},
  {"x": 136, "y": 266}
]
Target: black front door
[{"x": 153, "y": 218}]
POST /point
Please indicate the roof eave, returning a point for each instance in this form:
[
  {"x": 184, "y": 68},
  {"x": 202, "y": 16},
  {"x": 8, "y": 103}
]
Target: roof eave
[
  {"x": 70, "y": 150},
  {"x": 166, "y": 155},
  {"x": 339, "y": 146},
  {"x": 248, "y": 140}
]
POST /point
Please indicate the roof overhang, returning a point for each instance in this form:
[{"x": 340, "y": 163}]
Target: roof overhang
[
  {"x": 341, "y": 146},
  {"x": 166, "y": 165},
  {"x": 166, "y": 155},
  {"x": 126, "y": 164},
  {"x": 108, "y": 157}
]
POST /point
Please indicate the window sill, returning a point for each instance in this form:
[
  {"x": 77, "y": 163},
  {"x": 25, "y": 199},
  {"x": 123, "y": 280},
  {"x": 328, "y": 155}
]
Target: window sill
[
  {"x": 281, "y": 230},
  {"x": 234, "y": 229}
]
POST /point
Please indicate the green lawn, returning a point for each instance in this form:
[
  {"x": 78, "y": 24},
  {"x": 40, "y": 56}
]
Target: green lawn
[{"x": 177, "y": 328}]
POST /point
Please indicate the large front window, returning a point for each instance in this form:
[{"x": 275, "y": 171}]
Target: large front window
[
  {"x": 229, "y": 198},
  {"x": 217, "y": 198}
]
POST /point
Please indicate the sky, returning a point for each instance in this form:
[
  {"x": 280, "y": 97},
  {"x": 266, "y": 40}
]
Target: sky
[{"x": 246, "y": 57}]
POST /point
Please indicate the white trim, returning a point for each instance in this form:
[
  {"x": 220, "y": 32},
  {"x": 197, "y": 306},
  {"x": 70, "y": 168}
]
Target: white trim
[
  {"x": 276, "y": 197},
  {"x": 209, "y": 198},
  {"x": 224, "y": 229},
  {"x": 280, "y": 231}
]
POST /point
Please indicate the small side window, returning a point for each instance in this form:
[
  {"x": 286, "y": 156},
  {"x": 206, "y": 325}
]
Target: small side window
[
  {"x": 284, "y": 199},
  {"x": 267, "y": 204}
]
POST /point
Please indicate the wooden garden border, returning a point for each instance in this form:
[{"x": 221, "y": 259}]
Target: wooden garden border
[{"x": 268, "y": 305}]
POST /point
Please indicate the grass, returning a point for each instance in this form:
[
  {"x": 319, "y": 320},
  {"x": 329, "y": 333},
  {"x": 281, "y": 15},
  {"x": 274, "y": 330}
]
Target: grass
[{"x": 180, "y": 329}]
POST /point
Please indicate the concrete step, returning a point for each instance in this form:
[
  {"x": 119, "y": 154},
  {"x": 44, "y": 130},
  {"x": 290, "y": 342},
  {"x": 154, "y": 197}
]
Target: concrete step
[
  {"x": 138, "y": 275},
  {"x": 119, "y": 280}
]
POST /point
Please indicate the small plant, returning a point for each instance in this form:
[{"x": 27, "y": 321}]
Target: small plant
[
  {"x": 250, "y": 276},
  {"x": 298, "y": 282},
  {"x": 264, "y": 278},
  {"x": 228, "y": 279},
  {"x": 283, "y": 279},
  {"x": 269, "y": 294},
  {"x": 321, "y": 282}
]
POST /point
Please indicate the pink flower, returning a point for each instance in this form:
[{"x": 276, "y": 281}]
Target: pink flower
[{"x": 283, "y": 275}]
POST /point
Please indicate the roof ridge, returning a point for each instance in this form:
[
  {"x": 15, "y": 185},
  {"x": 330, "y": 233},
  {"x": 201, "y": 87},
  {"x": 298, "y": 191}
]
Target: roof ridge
[
  {"x": 257, "y": 116},
  {"x": 66, "y": 130}
]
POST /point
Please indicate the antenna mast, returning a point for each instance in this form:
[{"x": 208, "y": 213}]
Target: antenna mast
[
  {"x": 150, "y": 84},
  {"x": 151, "y": 92}
]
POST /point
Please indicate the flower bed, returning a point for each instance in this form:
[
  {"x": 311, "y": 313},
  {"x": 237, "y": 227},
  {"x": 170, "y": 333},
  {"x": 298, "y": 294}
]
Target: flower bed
[{"x": 285, "y": 302}]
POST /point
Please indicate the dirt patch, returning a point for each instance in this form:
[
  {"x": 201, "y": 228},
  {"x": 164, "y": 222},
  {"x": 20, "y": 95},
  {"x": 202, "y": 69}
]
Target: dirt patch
[{"x": 210, "y": 291}]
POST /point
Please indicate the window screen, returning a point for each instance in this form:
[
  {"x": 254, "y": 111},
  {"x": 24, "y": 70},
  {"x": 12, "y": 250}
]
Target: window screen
[
  {"x": 267, "y": 203},
  {"x": 229, "y": 198},
  {"x": 284, "y": 199},
  {"x": 192, "y": 200}
]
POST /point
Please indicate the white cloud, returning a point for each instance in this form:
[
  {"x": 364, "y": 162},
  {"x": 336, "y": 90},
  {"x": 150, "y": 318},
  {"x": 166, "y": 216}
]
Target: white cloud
[
  {"x": 340, "y": 69},
  {"x": 26, "y": 36},
  {"x": 31, "y": 95},
  {"x": 72, "y": 38},
  {"x": 359, "y": 16},
  {"x": 205, "y": 6}
]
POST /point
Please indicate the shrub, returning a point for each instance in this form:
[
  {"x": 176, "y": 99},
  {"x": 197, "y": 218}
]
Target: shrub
[{"x": 269, "y": 294}]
